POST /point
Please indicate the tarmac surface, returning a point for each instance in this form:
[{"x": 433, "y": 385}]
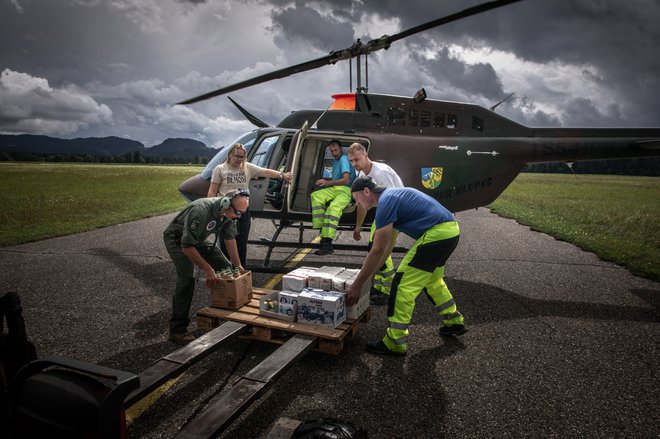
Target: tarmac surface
[{"x": 560, "y": 343}]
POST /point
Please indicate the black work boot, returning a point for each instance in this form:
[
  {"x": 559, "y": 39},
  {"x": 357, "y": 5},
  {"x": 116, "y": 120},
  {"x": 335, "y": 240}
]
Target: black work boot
[
  {"x": 326, "y": 247},
  {"x": 455, "y": 329}
]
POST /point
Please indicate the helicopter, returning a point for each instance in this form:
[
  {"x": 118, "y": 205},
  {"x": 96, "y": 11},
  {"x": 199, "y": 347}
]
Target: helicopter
[{"x": 464, "y": 155}]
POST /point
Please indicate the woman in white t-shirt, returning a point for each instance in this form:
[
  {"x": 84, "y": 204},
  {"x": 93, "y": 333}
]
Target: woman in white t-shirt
[{"x": 236, "y": 173}]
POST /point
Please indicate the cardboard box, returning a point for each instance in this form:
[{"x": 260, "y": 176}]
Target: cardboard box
[
  {"x": 323, "y": 308},
  {"x": 232, "y": 293},
  {"x": 322, "y": 278},
  {"x": 339, "y": 280},
  {"x": 355, "y": 311},
  {"x": 267, "y": 311},
  {"x": 297, "y": 279},
  {"x": 288, "y": 297}
]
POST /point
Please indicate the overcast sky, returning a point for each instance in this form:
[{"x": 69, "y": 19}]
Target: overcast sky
[{"x": 95, "y": 68}]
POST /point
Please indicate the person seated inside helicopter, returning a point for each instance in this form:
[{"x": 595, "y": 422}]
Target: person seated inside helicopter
[{"x": 335, "y": 191}]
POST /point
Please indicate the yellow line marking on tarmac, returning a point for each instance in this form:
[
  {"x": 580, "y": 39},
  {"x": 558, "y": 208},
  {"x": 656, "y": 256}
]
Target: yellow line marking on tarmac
[
  {"x": 293, "y": 262},
  {"x": 136, "y": 410}
]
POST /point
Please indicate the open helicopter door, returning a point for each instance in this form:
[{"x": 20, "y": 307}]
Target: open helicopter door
[
  {"x": 311, "y": 161},
  {"x": 299, "y": 175},
  {"x": 269, "y": 150}
]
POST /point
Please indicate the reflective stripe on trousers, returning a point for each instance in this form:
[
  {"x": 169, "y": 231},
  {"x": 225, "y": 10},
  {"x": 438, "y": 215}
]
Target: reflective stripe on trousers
[
  {"x": 422, "y": 268},
  {"x": 327, "y": 219},
  {"x": 385, "y": 274}
]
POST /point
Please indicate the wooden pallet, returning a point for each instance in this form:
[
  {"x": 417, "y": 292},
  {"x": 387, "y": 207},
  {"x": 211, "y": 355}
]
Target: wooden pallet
[{"x": 331, "y": 340}]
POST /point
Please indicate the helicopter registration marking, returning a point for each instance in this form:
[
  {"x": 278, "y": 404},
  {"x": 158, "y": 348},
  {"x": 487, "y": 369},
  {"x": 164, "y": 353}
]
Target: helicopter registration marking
[
  {"x": 493, "y": 153},
  {"x": 448, "y": 148}
]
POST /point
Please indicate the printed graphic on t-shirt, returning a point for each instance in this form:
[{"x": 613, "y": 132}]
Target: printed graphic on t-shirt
[{"x": 236, "y": 177}]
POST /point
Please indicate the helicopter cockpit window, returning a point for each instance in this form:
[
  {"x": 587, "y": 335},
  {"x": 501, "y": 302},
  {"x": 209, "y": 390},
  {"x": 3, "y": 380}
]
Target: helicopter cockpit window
[
  {"x": 264, "y": 151},
  {"x": 477, "y": 123},
  {"x": 396, "y": 116},
  {"x": 452, "y": 121},
  {"x": 438, "y": 120},
  {"x": 246, "y": 139}
]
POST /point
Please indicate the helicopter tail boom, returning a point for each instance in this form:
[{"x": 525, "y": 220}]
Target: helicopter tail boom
[{"x": 566, "y": 144}]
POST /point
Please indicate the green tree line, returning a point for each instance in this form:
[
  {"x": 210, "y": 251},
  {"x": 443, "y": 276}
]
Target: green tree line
[{"x": 129, "y": 157}]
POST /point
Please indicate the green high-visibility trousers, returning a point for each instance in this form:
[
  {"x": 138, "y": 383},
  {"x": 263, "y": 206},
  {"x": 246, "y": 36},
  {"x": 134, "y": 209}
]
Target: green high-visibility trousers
[
  {"x": 385, "y": 274},
  {"x": 327, "y": 219},
  {"x": 423, "y": 267}
]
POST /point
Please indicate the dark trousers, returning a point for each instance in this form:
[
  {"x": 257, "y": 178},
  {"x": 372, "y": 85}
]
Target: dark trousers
[
  {"x": 244, "y": 223},
  {"x": 185, "y": 281}
]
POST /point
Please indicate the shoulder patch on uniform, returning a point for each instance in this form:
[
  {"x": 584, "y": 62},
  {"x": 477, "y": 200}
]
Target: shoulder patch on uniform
[
  {"x": 194, "y": 224},
  {"x": 211, "y": 225}
]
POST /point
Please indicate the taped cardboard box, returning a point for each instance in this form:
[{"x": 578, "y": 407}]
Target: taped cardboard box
[
  {"x": 270, "y": 306},
  {"x": 323, "y": 308},
  {"x": 297, "y": 279},
  {"x": 339, "y": 280},
  {"x": 356, "y": 310},
  {"x": 232, "y": 293},
  {"x": 322, "y": 278}
]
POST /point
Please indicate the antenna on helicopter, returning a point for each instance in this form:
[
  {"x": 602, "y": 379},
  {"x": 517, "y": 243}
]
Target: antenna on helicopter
[{"x": 495, "y": 106}]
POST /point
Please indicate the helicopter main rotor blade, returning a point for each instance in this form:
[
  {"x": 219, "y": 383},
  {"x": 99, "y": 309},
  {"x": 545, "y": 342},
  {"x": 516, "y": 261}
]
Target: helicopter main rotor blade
[
  {"x": 281, "y": 73},
  {"x": 474, "y": 10},
  {"x": 358, "y": 48}
]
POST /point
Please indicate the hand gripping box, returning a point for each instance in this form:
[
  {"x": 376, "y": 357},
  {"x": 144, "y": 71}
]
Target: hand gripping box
[
  {"x": 232, "y": 293},
  {"x": 319, "y": 307},
  {"x": 356, "y": 310},
  {"x": 339, "y": 280}
]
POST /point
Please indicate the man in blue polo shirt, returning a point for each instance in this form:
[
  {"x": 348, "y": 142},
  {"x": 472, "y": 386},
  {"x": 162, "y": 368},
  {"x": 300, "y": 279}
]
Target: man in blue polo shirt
[
  {"x": 336, "y": 192},
  {"x": 435, "y": 231}
]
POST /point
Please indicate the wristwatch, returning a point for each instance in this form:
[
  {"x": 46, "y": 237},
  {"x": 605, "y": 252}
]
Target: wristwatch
[{"x": 281, "y": 175}]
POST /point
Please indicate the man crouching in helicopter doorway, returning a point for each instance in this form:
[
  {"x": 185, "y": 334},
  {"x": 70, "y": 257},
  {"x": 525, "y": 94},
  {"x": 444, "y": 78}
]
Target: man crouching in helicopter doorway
[
  {"x": 336, "y": 192},
  {"x": 435, "y": 231},
  {"x": 190, "y": 239}
]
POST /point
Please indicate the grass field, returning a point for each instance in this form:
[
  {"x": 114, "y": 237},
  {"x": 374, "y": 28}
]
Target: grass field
[
  {"x": 616, "y": 217},
  {"x": 43, "y": 200}
]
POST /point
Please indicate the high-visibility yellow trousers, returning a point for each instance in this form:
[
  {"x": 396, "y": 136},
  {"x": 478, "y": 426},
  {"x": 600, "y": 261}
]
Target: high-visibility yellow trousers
[
  {"x": 385, "y": 274},
  {"x": 327, "y": 219},
  {"x": 423, "y": 267}
]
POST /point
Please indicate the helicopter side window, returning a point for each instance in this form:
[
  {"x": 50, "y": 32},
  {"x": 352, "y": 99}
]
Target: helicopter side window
[
  {"x": 452, "y": 121},
  {"x": 477, "y": 123},
  {"x": 396, "y": 116},
  {"x": 438, "y": 120},
  {"x": 413, "y": 118},
  {"x": 264, "y": 151},
  {"x": 425, "y": 119}
]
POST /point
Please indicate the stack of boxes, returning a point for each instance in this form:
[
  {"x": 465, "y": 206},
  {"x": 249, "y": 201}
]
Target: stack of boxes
[{"x": 316, "y": 296}]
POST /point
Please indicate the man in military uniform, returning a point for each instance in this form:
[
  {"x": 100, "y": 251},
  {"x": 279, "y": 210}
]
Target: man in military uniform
[
  {"x": 435, "y": 231},
  {"x": 190, "y": 239}
]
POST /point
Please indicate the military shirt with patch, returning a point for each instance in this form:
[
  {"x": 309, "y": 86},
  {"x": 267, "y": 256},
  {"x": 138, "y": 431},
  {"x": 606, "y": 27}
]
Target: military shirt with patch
[{"x": 194, "y": 224}]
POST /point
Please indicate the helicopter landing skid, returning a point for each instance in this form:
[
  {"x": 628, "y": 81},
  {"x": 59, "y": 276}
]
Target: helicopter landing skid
[{"x": 279, "y": 227}]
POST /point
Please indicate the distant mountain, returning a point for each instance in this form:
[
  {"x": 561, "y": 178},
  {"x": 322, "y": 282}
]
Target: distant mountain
[
  {"x": 27, "y": 147},
  {"x": 28, "y": 143},
  {"x": 180, "y": 148}
]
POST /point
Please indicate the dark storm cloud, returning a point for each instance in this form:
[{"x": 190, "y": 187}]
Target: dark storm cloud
[
  {"x": 115, "y": 67},
  {"x": 305, "y": 25}
]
